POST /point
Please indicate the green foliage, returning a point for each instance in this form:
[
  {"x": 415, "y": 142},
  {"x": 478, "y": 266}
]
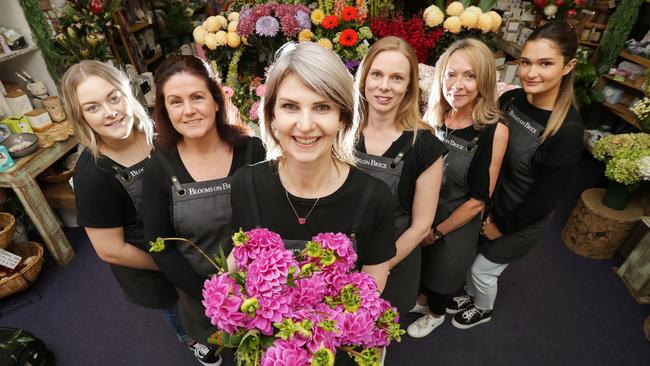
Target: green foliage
[
  {"x": 157, "y": 246},
  {"x": 42, "y": 32},
  {"x": 367, "y": 357},
  {"x": 248, "y": 352},
  {"x": 621, "y": 154},
  {"x": 323, "y": 357},
  {"x": 288, "y": 328},
  {"x": 619, "y": 27},
  {"x": 16, "y": 340},
  {"x": 487, "y": 5},
  {"x": 177, "y": 21},
  {"x": 584, "y": 80}
]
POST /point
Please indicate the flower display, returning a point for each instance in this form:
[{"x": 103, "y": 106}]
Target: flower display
[
  {"x": 348, "y": 38},
  {"x": 641, "y": 110},
  {"x": 558, "y": 9},
  {"x": 330, "y": 22},
  {"x": 349, "y": 13},
  {"x": 454, "y": 9},
  {"x": 284, "y": 309},
  {"x": 343, "y": 29},
  {"x": 412, "y": 31},
  {"x": 624, "y": 156}
]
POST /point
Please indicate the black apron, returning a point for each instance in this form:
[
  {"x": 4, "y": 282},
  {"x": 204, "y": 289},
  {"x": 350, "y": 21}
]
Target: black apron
[
  {"x": 202, "y": 214},
  {"x": 146, "y": 288},
  {"x": 402, "y": 284},
  {"x": 446, "y": 261},
  {"x": 517, "y": 177}
]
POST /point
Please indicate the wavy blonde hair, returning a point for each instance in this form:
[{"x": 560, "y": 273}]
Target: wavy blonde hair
[
  {"x": 74, "y": 76},
  {"x": 486, "y": 109},
  {"x": 322, "y": 71},
  {"x": 409, "y": 117}
]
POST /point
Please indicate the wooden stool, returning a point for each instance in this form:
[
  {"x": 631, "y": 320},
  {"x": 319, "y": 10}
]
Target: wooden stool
[
  {"x": 635, "y": 271},
  {"x": 596, "y": 231}
]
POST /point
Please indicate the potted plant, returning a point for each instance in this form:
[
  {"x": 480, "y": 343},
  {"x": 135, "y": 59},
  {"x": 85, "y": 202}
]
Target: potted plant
[{"x": 627, "y": 164}]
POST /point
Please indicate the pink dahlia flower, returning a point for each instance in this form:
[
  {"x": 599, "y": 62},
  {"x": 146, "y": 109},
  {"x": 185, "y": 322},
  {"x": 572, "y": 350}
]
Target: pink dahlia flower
[
  {"x": 283, "y": 353},
  {"x": 259, "y": 241},
  {"x": 342, "y": 247},
  {"x": 222, "y": 298},
  {"x": 308, "y": 291},
  {"x": 267, "y": 276},
  {"x": 271, "y": 310}
]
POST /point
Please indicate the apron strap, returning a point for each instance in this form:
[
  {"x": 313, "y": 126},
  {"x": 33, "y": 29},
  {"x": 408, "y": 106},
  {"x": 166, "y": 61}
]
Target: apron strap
[
  {"x": 405, "y": 149},
  {"x": 170, "y": 172},
  {"x": 249, "y": 152},
  {"x": 252, "y": 198}
]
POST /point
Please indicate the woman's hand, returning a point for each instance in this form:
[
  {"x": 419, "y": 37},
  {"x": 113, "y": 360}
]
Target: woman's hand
[
  {"x": 490, "y": 230},
  {"x": 429, "y": 239}
]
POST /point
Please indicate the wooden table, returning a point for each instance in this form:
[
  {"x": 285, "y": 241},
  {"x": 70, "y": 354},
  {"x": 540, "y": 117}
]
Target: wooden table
[{"x": 20, "y": 178}]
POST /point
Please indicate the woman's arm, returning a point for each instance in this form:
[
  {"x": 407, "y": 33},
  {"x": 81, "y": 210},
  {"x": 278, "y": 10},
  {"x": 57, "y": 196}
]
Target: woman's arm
[
  {"x": 425, "y": 202},
  {"x": 379, "y": 272},
  {"x": 111, "y": 248},
  {"x": 470, "y": 208}
]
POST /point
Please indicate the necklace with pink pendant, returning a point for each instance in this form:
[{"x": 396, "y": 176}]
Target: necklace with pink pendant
[{"x": 301, "y": 220}]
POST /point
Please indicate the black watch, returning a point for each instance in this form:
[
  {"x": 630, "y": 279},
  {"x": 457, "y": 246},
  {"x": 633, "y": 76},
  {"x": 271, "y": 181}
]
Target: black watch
[{"x": 437, "y": 234}]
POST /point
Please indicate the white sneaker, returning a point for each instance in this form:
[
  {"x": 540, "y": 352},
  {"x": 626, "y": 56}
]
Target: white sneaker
[
  {"x": 422, "y": 309},
  {"x": 424, "y": 326}
]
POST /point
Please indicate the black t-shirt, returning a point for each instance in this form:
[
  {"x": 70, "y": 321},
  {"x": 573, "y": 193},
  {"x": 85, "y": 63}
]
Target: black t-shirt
[
  {"x": 102, "y": 202},
  {"x": 158, "y": 216},
  {"x": 553, "y": 163},
  {"x": 333, "y": 213},
  {"x": 479, "y": 167},
  {"x": 420, "y": 157}
]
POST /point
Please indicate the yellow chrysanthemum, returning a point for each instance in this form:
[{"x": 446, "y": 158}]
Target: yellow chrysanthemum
[
  {"x": 455, "y": 9},
  {"x": 468, "y": 19},
  {"x": 317, "y": 16},
  {"x": 211, "y": 24},
  {"x": 452, "y": 24},
  {"x": 325, "y": 43},
  {"x": 232, "y": 26},
  {"x": 223, "y": 22},
  {"x": 433, "y": 16},
  {"x": 233, "y": 39},
  {"x": 234, "y": 16},
  {"x": 496, "y": 21},
  {"x": 211, "y": 41},
  {"x": 305, "y": 35},
  {"x": 199, "y": 34},
  {"x": 485, "y": 22},
  {"x": 475, "y": 9},
  {"x": 222, "y": 38}
]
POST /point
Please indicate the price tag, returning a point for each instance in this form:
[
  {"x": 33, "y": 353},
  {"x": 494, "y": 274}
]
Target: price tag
[{"x": 8, "y": 259}]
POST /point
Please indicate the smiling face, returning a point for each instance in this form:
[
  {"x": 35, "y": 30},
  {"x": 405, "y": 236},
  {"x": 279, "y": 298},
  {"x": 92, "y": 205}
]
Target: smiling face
[
  {"x": 304, "y": 122},
  {"x": 105, "y": 108},
  {"x": 459, "y": 84},
  {"x": 541, "y": 67},
  {"x": 387, "y": 82},
  {"x": 190, "y": 105}
]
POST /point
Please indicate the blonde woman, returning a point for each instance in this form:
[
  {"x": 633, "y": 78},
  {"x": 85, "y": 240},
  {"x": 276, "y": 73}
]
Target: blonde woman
[
  {"x": 544, "y": 146},
  {"x": 116, "y": 133},
  {"x": 464, "y": 112},
  {"x": 396, "y": 146}
]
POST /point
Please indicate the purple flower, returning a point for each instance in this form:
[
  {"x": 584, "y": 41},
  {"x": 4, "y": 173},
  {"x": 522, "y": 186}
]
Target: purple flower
[
  {"x": 356, "y": 328},
  {"x": 272, "y": 310},
  {"x": 304, "y": 21},
  {"x": 308, "y": 291},
  {"x": 290, "y": 25},
  {"x": 246, "y": 23},
  {"x": 222, "y": 299},
  {"x": 267, "y": 276},
  {"x": 267, "y": 26},
  {"x": 341, "y": 245},
  {"x": 259, "y": 242},
  {"x": 283, "y": 353}
]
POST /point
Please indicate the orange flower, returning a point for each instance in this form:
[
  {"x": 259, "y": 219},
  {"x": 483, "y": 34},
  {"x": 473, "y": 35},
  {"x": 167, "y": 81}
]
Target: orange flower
[
  {"x": 330, "y": 22},
  {"x": 349, "y": 13},
  {"x": 348, "y": 38}
]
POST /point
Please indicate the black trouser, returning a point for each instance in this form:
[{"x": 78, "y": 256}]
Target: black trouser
[{"x": 437, "y": 302}]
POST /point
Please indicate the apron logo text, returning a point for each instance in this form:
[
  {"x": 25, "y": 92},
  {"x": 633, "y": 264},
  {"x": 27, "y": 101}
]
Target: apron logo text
[
  {"x": 453, "y": 143},
  {"x": 373, "y": 162},
  {"x": 221, "y": 187},
  {"x": 524, "y": 124},
  {"x": 134, "y": 173}
]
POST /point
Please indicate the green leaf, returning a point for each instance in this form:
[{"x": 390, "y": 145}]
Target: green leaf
[
  {"x": 466, "y": 3},
  {"x": 24, "y": 339},
  {"x": 487, "y": 5}
]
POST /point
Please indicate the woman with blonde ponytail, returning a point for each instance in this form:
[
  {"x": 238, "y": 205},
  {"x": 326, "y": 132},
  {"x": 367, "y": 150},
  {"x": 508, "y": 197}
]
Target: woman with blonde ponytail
[{"x": 545, "y": 144}]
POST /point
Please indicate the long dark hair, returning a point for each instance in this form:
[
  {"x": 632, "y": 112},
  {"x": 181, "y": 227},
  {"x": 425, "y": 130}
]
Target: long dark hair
[
  {"x": 167, "y": 137},
  {"x": 566, "y": 40}
]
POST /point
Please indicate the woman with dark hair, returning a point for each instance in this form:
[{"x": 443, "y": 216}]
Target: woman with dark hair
[
  {"x": 187, "y": 181},
  {"x": 545, "y": 144},
  {"x": 396, "y": 146}
]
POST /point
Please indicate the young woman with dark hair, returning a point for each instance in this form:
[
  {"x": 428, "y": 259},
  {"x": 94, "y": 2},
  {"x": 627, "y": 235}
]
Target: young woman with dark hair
[
  {"x": 187, "y": 182},
  {"x": 544, "y": 146}
]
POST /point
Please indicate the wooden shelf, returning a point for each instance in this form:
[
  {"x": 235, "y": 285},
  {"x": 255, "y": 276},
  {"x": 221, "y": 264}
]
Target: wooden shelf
[
  {"x": 625, "y": 83},
  {"x": 595, "y": 25},
  {"x": 513, "y": 49},
  {"x": 591, "y": 44},
  {"x": 58, "y": 195},
  {"x": 623, "y": 112},
  {"x": 9, "y": 56},
  {"x": 153, "y": 58},
  {"x": 132, "y": 28},
  {"x": 635, "y": 58}
]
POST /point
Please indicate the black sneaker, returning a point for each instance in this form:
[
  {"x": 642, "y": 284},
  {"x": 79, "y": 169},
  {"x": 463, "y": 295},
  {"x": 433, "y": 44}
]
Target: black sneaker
[
  {"x": 206, "y": 355},
  {"x": 458, "y": 303},
  {"x": 471, "y": 317}
]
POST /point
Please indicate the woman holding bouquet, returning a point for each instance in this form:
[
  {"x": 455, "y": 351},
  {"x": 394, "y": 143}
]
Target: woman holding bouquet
[
  {"x": 396, "y": 146},
  {"x": 187, "y": 182},
  {"x": 116, "y": 134},
  {"x": 545, "y": 144},
  {"x": 463, "y": 110}
]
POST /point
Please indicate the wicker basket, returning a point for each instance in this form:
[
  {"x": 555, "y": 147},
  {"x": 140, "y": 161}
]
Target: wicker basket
[
  {"x": 62, "y": 177},
  {"x": 8, "y": 225},
  {"x": 18, "y": 281}
]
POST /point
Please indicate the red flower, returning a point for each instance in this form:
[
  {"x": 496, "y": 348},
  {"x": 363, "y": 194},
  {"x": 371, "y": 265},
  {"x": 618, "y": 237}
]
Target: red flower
[
  {"x": 348, "y": 38},
  {"x": 96, "y": 6},
  {"x": 330, "y": 22},
  {"x": 559, "y": 3},
  {"x": 571, "y": 13},
  {"x": 580, "y": 3},
  {"x": 540, "y": 3},
  {"x": 349, "y": 13}
]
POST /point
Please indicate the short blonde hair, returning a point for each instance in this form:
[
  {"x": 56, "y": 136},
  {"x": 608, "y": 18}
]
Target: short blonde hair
[
  {"x": 322, "y": 71},
  {"x": 408, "y": 113},
  {"x": 74, "y": 76},
  {"x": 486, "y": 109}
]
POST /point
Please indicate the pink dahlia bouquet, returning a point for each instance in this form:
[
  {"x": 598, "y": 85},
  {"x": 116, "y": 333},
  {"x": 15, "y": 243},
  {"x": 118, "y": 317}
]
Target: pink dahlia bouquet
[{"x": 281, "y": 308}]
